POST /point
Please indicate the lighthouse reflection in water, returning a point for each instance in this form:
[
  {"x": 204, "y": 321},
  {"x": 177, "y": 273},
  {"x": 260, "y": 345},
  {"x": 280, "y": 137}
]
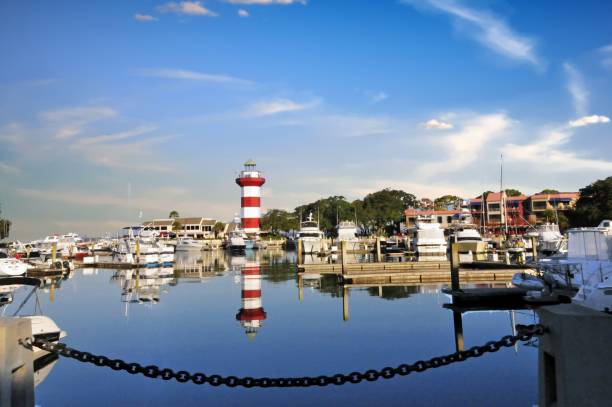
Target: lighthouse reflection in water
[{"x": 252, "y": 314}]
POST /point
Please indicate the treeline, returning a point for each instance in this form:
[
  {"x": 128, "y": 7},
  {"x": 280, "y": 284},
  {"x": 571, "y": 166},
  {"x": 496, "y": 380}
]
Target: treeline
[{"x": 382, "y": 212}]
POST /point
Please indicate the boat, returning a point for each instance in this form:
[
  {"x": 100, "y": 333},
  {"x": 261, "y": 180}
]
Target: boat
[
  {"x": 550, "y": 239},
  {"x": 237, "y": 243},
  {"x": 347, "y": 232},
  {"x": 10, "y": 266},
  {"x": 465, "y": 233},
  {"x": 45, "y": 328},
  {"x": 310, "y": 236},
  {"x": 429, "y": 237},
  {"x": 188, "y": 244},
  {"x": 166, "y": 254}
]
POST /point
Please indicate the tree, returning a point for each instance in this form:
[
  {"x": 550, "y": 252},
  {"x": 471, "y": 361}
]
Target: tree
[
  {"x": 594, "y": 204},
  {"x": 513, "y": 192},
  {"x": 329, "y": 211},
  {"x": 484, "y": 195},
  {"x": 445, "y": 201},
  {"x": 173, "y": 215},
  {"x": 385, "y": 209},
  {"x": 279, "y": 220},
  {"x": 218, "y": 228},
  {"x": 549, "y": 191},
  {"x": 5, "y": 227},
  {"x": 177, "y": 226}
]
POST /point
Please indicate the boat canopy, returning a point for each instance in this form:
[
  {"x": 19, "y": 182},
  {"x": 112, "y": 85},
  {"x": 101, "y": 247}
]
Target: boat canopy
[{"x": 589, "y": 243}]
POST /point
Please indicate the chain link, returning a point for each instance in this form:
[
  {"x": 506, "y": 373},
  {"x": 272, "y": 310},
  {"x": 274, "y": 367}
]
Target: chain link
[{"x": 524, "y": 333}]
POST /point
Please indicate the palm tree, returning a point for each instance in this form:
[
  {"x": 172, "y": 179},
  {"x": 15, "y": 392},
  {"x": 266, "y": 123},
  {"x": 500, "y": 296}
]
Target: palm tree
[{"x": 173, "y": 215}]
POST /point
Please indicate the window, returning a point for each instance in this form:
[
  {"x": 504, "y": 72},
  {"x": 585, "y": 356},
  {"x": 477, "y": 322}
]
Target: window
[
  {"x": 439, "y": 219},
  {"x": 494, "y": 207},
  {"x": 449, "y": 219}
]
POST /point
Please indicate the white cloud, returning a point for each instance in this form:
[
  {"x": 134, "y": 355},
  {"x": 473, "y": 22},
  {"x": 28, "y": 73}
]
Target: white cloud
[
  {"x": 546, "y": 155},
  {"x": 71, "y": 121},
  {"x": 377, "y": 97},
  {"x": 586, "y": 120},
  {"x": 88, "y": 141},
  {"x": 606, "y": 53},
  {"x": 576, "y": 88},
  {"x": 184, "y": 74},
  {"x": 267, "y": 2},
  {"x": 276, "y": 106},
  {"x": 193, "y": 8},
  {"x": 488, "y": 29},
  {"x": 243, "y": 13},
  {"x": 464, "y": 146},
  {"x": 145, "y": 18},
  {"x": 437, "y": 125},
  {"x": 9, "y": 169}
]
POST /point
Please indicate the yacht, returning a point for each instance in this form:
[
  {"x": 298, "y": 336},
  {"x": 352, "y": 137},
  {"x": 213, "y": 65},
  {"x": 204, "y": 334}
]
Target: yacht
[
  {"x": 429, "y": 237},
  {"x": 310, "y": 236},
  {"x": 465, "y": 233},
  {"x": 587, "y": 267},
  {"x": 187, "y": 244},
  {"x": 237, "y": 243},
  {"x": 10, "y": 266},
  {"x": 550, "y": 239},
  {"x": 347, "y": 232},
  {"x": 44, "y": 327}
]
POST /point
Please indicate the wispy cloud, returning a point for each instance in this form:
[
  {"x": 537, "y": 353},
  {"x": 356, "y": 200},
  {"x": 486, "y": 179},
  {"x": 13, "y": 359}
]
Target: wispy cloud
[
  {"x": 576, "y": 88},
  {"x": 487, "y": 28},
  {"x": 71, "y": 121},
  {"x": 435, "y": 124},
  {"x": 267, "y": 2},
  {"x": 377, "y": 97},
  {"x": 9, "y": 169},
  {"x": 243, "y": 13},
  {"x": 606, "y": 53},
  {"x": 464, "y": 146},
  {"x": 106, "y": 138},
  {"x": 187, "y": 75},
  {"x": 547, "y": 154},
  {"x": 146, "y": 18},
  {"x": 276, "y": 106},
  {"x": 192, "y": 8},
  {"x": 587, "y": 120}
]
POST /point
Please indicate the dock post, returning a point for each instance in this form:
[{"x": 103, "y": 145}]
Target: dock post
[
  {"x": 53, "y": 253},
  {"x": 455, "y": 285},
  {"x": 343, "y": 254},
  {"x": 534, "y": 248},
  {"x": 299, "y": 252},
  {"x": 377, "y": 248},
  {"x": 138, "y": 250},
  {"x": 345, "y": 303},
  {"x": 458, "y": 325},
  {"x": 16, "y": 365}
]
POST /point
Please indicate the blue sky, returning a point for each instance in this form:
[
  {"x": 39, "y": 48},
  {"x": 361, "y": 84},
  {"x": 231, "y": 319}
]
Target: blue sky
[{"x": 109, "y": 109}]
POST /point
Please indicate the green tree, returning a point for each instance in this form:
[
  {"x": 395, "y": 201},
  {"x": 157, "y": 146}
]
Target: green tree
[
  {"x": 594, "y": 204},
  {"x": 218, "y": 228},
  {"x": 173, "y": 215},
  {"x": 513, "y": 192},
  {"x": 484, "y": 195},
  {"x": 5, "y": 227},
  {"x": 385, "y": 209},
  {"x": 177, "y": 226},
  {"x": 329, "y": 211},
  {"x": 549, "y": 191},
  {"x": 444, "y": 201},
  {"x": 278, "y": 220}
]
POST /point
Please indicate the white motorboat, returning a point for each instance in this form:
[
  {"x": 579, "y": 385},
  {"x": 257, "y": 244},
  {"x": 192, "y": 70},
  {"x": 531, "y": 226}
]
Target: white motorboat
[
  {"x": 550, "y": 239},
  {"x": 237, "y": 242},
  {"x": 347, "y": 232},
  {"x": 45, "y": 328},
  {"x": 429, "y": 237},
  {"x": 187, "y": 244},
  {"x": 10, "y": 266},
  {"x": 310, "y": 236}
]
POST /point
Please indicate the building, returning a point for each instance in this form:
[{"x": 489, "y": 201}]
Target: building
[
  {"x": 195, "y": 228},
  {"x": 559, "y": 202},
  {"x": 250, "y": 181},
  {"x": 443, "y": 217}
]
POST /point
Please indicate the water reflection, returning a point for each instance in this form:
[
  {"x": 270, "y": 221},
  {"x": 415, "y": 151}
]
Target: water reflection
[{"x": 252, "y": 314}]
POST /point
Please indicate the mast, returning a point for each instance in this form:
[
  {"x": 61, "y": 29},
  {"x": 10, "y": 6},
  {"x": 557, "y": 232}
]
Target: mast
[{"x": 501, "y": 190}]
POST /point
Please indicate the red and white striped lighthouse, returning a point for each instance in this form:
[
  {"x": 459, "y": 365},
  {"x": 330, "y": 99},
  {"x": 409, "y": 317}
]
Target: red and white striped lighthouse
[
  {"x": 252, "y": 313},
  {"x": 250, "y": 181}
]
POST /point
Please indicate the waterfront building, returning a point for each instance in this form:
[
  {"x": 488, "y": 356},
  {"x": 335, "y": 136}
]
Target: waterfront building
[
  {"x": 443, "y": 217},
  {"x": 250, "y": 181},
  {"x": 559, "y": 202},
  {"x": 194, "y": 228}
]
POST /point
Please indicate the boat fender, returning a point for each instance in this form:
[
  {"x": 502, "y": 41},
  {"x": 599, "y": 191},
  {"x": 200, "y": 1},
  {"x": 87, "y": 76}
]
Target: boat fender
[
  {"x": 58, "y": 264},
  {"x": 66, "y": 265}
]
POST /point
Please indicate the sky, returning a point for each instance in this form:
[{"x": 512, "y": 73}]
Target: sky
[{"x": 112, "y": 113}]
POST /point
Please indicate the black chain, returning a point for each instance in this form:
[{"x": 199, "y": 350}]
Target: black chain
[{"x": 524, "y": 333}]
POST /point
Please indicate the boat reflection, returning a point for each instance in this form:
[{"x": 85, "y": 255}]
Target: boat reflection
[
  {"x": 144, "y": 285},
  {"x": 252, "y": 314}
]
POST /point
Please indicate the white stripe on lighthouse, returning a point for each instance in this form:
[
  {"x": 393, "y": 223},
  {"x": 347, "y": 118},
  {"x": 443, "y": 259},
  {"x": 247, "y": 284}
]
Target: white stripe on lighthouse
[
  {"x": 251, "y": 212},
  {"x": 251, "y": 192}
]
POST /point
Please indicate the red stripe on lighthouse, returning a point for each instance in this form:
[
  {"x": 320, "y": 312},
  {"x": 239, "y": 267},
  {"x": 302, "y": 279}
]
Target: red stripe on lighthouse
[
  {"x": 250, "y": 182},
  {"x": 250, "y": 201},
  {"x": 251, "y": 293},
  {"x": 249, "y": 223}
]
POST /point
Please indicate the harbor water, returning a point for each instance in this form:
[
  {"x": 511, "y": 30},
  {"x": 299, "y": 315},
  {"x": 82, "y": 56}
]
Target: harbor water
[{"x": 188, "y": 318}]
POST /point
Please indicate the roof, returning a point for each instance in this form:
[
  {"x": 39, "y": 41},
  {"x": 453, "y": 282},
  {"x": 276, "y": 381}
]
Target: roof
[
  {"x": 560, "y": 195},
  {"x": 250, "y": 162},
  {"x": 516, "y": 198},
  {"x": 494, "y": 196},
  {"x": 209, "y": 222},
  {"x": 159, "y": 222},
  {"x": 416, "y": 212},
  {"x": 189, "y": 221}
]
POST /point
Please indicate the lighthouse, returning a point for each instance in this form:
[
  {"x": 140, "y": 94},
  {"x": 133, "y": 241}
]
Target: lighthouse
[
  {"x": 252, "y": 313},
  {"x": 250, "y": 181}
]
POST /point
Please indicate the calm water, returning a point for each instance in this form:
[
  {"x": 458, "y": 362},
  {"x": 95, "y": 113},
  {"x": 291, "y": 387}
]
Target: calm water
[{"x": 187, "y": 321}]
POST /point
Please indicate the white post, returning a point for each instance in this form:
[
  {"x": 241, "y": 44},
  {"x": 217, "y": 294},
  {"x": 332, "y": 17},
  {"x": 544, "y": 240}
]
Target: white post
[{"x": 16, "y": 365}]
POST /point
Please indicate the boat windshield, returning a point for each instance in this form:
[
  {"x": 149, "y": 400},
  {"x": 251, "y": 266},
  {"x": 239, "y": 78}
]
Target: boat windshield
[
  {"x": 309, "y": 224},
  {"x": 307, "y": 234}
]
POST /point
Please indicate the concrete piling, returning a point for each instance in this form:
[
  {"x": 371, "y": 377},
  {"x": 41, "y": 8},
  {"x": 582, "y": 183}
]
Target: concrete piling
[{"x": 16, "y": 365}]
